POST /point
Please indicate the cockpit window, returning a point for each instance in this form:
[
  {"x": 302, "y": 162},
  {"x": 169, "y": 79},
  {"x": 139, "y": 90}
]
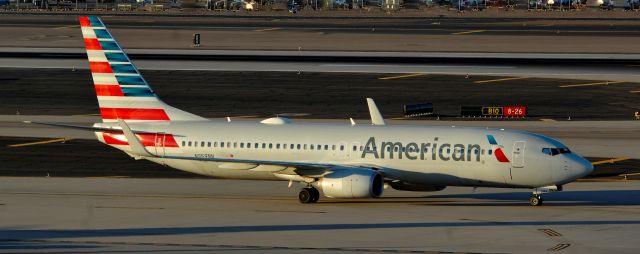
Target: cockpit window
[
  {"x": 555, "y": 151},
  {"x": 564, "y": 150}
]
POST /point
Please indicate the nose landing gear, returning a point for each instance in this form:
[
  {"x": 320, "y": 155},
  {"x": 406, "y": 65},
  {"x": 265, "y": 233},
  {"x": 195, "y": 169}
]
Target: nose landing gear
[
  {"x": 536, "y": 196},
  {"x": 309, "y": 195},
  {"x": 535, "y": 200}
]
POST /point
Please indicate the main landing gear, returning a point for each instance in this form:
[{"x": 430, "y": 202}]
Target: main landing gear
[{"x": 309, "y": 195}]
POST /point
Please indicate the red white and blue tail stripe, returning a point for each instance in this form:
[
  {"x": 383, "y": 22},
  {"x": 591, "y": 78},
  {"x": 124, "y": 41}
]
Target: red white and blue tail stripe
[{"x": 122, "y": 92}]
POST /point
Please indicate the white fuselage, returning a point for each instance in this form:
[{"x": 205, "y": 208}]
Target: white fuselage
[{"x": 419, "y": 155}]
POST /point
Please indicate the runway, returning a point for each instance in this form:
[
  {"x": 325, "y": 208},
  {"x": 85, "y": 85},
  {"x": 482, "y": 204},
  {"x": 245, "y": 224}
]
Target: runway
[{"x": 192, "y": 215}]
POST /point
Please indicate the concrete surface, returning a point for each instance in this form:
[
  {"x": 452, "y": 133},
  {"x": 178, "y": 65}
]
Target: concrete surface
[{"x": 168, "y": 215}]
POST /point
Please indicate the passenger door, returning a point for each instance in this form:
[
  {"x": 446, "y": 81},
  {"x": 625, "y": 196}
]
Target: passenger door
[{"x": 517, "y": 160}]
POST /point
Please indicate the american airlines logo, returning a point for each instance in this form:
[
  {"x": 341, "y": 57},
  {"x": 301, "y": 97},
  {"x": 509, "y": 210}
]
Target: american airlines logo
[
  {"x": 497, "y": 149},
  {"x": 421, "y": 151}
]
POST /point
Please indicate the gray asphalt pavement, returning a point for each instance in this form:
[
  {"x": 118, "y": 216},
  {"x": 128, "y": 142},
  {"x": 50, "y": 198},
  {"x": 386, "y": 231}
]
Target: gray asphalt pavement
[
  {"x": 83, "y": 215},
  {"x": 410, "y": 35},
  {"x": 321, "y": 94}
]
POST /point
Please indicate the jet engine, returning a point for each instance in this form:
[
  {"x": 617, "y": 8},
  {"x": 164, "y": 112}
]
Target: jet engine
[{"x": 351, "y": 183}]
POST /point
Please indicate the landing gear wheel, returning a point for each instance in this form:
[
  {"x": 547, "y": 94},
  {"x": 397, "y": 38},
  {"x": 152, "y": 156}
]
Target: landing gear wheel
[
  {"x": 315, "y": 195},
  {"x": 305, "y": 196},
  {"x": 535, "y": 200},
  {"x": 309, "y": 195}
]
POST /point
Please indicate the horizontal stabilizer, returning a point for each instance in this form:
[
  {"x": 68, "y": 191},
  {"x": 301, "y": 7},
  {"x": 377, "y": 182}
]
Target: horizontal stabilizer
[{"x": 85, "y": 128}]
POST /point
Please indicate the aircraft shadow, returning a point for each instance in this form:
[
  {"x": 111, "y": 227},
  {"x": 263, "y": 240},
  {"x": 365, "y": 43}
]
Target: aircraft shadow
[
  {"x": 24, "y": 235},
  {"x": 563, "y": 198}
]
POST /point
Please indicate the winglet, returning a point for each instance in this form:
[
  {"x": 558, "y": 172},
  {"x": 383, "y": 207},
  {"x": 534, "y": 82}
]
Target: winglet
[
  {"x": 376, "y": 117},
  {"x": 136, "y": 147}
]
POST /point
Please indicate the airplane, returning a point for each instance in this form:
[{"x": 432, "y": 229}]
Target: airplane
[{"x": 343, "y": 160}]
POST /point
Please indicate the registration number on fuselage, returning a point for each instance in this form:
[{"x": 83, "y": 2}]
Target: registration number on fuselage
[{"x": 203, "y": 155}]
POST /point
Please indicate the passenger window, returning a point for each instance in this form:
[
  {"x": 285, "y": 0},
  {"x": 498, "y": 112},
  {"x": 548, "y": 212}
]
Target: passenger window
[
  {"x": 341, "y": 147},
  {"x": 264, "y": 145},
  {"x": 228, "y": 144},
  {"x": 354, "y": 148},
  {"x": 183, "y": 143},
  {"x": 208, "y": 144},
  {"x": 242, "y": 145},
  {"x": 333, "y": 147},
  {"x": 278, "y": 146},
  {"x": 310, "y": 147},
  {"x": 304, "y": 147},
  {"x": 292, "y": 146},
  {"x": 195, "y": 143},
  {"x": 221, "y": 144},
  {"x": 490, "y": 151},
  {"x": 235, "y": 144},
  {"x": 256, "y": 145},
  {"x": 215, "y": 144},
  {"x": 299, "y": 146},
  {"x": 326, "y": 147},
  {"x": 202, "y": 144},
  {"x": 270, "y": 145}
]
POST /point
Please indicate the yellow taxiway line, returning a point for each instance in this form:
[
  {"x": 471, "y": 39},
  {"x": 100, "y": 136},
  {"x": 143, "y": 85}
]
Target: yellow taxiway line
[
  {"x": 498, "y": 80},
  {"x": 267, "y": 29},
  {"x": 40, "y": 142},
  {"x": 63, "y": 27},
  {"x": 403, "y": 76},
  {"x": 593, "y": 84},
  {"x": 469, "y": 32},
  {"x": 608, "y": 161},
  {"x": 636, "y": 91}
]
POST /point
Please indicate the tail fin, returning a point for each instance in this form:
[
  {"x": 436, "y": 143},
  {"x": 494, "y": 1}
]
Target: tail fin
[{"x": 122, "y": 91}]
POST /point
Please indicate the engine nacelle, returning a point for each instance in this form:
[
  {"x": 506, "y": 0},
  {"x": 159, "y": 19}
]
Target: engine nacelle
[{"x": 352, "y": 183}]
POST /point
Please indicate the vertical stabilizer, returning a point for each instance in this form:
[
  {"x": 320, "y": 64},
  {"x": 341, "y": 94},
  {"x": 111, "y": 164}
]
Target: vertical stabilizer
[{"x": 121, "y": 90}]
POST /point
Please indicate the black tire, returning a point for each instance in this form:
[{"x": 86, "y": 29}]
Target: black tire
[
  {"x": 535, "y": 201},
  {"x": 305, "y": 196},
  {"x": 315, "y": 195}
]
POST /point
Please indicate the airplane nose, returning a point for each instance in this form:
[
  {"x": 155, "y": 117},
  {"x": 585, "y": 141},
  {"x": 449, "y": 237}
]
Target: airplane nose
[{"x": 581, "y": 167}]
